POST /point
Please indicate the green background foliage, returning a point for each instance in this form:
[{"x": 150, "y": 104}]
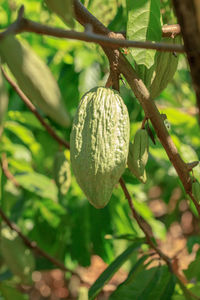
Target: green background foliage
[{"x": 68, "y": 227}]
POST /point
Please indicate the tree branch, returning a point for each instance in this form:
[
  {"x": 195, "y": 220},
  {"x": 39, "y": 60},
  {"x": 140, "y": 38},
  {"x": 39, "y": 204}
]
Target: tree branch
[
  {"x": 33, "y": 109},
  {"x": 189, "y": 19},
  {"x": 116, "y": 41}
]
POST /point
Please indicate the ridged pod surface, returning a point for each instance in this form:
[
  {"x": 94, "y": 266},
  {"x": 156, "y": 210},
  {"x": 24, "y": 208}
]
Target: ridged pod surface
[
  {"x": 17, "y": 256},
  {"x": 34, "y": 78},
  {"x": 165, "y": 67},
  {"x": 62, "y": 173},
  {"x": 196, "y": 190},
  {"x": 3, "y": 101},
  {"x": 99, "y": 143},
  {"x": 138, "y": 154}
]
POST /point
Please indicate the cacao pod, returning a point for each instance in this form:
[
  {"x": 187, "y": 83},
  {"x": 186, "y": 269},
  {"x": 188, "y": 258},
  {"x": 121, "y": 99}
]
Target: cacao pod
[
  {"x": 99, "y": 143},
  {"x": 62, "y": 173},
  {"x": 138, "y": 154},
  {"x": 196, "y": 190},
  {"x": 3, "y": 101},
  {"x": 34, "y": 78},
  {"x": 165, "y": 67},
  {"x": 17, "y": 256}
]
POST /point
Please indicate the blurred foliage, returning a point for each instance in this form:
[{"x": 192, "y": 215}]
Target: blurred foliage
[{"x": 67, "y": 226}]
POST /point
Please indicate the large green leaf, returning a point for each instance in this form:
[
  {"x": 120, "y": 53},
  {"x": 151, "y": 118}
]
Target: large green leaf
[
  {"x": 100, "y": 225},
  {"x": 80, "y": 234},
  {"x": 38, "y": 184},
  {"x": 192, "y": 240},
  {"x": 155, "y": 283},
  {"x": 64, "y": 9},
  {"x": 193, "y": 271},
  {"x": 143, "y": 25},
  {"x": 51, "y": 211},
  {"x": 9, "y": 291},
  {"x": 103, "y": 10},
  {"x": 89, "y": 78},
  {"x": 24, "y": 134},
  {"x": 111, "y": 270},
  {"x": 25, "y": 117}
]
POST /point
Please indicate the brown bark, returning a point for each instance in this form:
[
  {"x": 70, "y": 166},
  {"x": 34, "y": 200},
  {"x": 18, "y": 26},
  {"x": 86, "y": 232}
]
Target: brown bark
[{"x": 188, "y": 14}]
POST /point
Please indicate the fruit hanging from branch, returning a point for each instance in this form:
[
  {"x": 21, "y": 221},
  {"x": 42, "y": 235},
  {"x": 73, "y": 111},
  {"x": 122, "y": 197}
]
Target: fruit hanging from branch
[{"x": 99, "y": 143}]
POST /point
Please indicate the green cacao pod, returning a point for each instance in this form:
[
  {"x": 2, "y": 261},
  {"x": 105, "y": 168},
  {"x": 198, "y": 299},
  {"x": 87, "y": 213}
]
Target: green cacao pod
[
  {"x": 166, "y": 64},
  {"x": 196, "y": 190},
  {"x": 3, "y": 101},
  {"x": 62, "y": 173},
  {"x": 138, "y": 154},
  {"x": 34, "y": 78},
  {"x": 17, "y": 256},
  {"x": 99, "y": 143}
]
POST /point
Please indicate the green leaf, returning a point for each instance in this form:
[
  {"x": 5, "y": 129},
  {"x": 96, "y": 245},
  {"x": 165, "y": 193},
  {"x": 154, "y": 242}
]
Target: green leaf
[
  {"x": 26, "y": 118},
  {"x": 100, "y": 225},
  {"x": 169, "y": 290},
  {"x": 186, "y": 292},
  {"x": 9, "y": 292},
  {"x": 155, "y": 283},
  {"x": 135, "y": 270},
  {"x": 38, "y": 184},
  {"x": 20, "y": 165},
  {"x": 143, "y": 25},
  {"x": 103, "y": 10},
  {"x": 64, "y": 9},
  {"x": 89, "y": 78},
  {"x": 111, "y": 270},
  {"x": 195, "y": 289},
  {"x": 81, "y": 246},
  {"x": 24, "y": 134},
  {"x": 192, "y": 240},
  {"x": 51, "y": 211},
  {"x": 193, "y": 271}
]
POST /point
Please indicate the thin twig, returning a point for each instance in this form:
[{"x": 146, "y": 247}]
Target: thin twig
[
  {"x": 8, "y": 174},
  {"x": 136, "y": 217},
  {"x": 31, "y": 244},
  {"x": 33, "y": 109}
]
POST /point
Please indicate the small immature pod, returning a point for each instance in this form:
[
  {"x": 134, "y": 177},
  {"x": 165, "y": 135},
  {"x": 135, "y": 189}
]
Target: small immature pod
[{"x": 138, "y": 154}]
